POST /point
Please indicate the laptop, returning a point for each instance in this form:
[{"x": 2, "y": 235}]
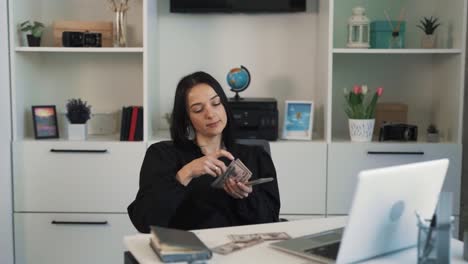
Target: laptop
[{"x": 382, "y": 218}]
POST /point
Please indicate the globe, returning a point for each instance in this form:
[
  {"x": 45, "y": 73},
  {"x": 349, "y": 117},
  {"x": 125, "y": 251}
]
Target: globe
[{"x": 238, "y": 79}]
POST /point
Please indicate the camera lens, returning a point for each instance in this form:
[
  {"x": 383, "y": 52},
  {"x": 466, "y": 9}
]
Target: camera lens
[
  {"x": 407, "y": 134},
  {"x": 92, "y": 39},
  {"x": 88, "y": 40}
]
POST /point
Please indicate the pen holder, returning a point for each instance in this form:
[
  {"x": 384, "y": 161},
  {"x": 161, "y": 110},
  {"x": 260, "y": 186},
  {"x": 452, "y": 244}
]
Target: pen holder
[
  {"x": 430, "y": 246},
  {"x": 426, "y": 252},
  {"x": 465, "y": 245}
]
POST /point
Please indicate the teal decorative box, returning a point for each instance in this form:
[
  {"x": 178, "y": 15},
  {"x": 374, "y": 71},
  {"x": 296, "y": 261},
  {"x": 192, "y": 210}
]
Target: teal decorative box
[{"x": 381, "y": 35}]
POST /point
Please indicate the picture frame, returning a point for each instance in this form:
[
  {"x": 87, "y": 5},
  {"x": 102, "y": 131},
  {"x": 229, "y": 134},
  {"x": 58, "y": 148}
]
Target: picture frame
[
  {"x": 45, "y": 121},
  {"x": 298, "y": 120}
]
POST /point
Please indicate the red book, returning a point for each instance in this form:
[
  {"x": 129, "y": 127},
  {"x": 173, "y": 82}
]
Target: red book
[{"x": 133, "y": 124}]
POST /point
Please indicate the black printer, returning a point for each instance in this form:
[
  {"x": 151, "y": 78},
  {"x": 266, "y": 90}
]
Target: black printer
[{"x": 255, "y": 118}]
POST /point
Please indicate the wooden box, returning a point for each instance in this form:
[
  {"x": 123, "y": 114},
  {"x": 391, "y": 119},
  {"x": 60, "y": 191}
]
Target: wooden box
[
  {"x": 103, "y": 27},
  {"x": 389, "y": 113}
]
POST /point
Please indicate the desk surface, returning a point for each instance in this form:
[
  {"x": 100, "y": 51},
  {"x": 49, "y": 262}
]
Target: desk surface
[{"x": 138, "y": 245}]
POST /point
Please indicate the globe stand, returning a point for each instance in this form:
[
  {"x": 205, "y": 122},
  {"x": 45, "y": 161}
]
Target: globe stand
[{"x": 237, "y": 97}]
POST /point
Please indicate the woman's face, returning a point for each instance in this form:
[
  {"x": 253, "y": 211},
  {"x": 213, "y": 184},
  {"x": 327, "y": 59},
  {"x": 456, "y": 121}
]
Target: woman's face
[{"x": 205, "y": 110}]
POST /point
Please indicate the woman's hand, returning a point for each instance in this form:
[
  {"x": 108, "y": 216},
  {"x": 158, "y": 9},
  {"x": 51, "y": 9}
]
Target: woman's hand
[
  {"x": 208, "y": 164},
  {"x": 237, "y": 190}
]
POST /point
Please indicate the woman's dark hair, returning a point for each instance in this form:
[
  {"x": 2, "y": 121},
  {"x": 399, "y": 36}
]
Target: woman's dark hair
[{"x": 180, "y": 119}]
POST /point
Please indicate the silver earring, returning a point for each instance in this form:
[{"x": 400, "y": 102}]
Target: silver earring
[{"x": 190, "y": 132}]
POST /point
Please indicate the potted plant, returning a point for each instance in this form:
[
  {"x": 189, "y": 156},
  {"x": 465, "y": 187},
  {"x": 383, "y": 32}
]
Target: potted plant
[
  {"x": 432, "y": 133},
  {"x": 360, "y": 110},
  {"x": 35, "y": 30},
  {"x": 78, "y": 113},
  {"x": 428, "y": 25}
]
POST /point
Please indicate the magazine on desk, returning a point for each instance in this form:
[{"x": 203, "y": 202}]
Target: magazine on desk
[{"x": 172, "y": 245}]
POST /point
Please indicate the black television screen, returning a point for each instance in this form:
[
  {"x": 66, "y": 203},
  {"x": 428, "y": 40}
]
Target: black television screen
[{"x": 234, "y": 6}]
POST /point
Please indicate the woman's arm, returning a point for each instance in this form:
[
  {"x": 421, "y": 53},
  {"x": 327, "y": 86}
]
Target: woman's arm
[
  {"x": 160, "y": 194},
  {"x": 263, "y": 204}
]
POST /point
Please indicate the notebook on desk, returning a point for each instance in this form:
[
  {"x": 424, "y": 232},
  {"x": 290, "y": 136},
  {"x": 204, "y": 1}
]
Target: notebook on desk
[
  {"x": 382, "y": 217},
  {"x": 172, "y": 245}
]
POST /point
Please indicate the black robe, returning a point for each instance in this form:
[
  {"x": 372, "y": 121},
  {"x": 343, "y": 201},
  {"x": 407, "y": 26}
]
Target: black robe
[{"x": 163, "y": 201}]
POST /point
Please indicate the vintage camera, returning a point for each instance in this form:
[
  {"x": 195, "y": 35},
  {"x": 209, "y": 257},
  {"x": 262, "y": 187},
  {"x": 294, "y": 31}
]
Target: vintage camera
[
  {"x": 81, "y": 39},
  {"x": 398, "y": 132}
]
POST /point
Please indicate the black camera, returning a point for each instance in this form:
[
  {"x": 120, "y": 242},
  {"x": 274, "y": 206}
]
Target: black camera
[
  {"x": 81, "y": 39},
  {"x": 398, "y": 132}
]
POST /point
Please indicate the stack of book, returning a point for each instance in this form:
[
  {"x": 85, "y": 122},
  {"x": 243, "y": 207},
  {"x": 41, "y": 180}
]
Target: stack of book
[
  {"x": 172, "y": 245},
  {"x": 131, "y": 128}
]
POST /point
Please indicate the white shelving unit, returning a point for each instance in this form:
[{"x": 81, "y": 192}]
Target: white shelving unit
[
  {"x": 429, "y": 81},
  {"x": 107, "y": 78},
  {"x": 6, "y": 198},
  {"x": 54, "y": 180}
]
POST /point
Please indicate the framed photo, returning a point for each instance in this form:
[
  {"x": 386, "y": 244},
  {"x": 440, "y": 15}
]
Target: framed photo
[
  {"x": 298, "y": 118},
  {"x": 45, "y": 121}
]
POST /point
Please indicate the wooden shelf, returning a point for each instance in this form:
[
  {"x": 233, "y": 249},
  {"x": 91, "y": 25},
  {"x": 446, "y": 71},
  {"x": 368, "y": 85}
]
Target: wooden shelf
[
  {"x": 79, "y": 50},
  {"x": 397, "y": 51}
]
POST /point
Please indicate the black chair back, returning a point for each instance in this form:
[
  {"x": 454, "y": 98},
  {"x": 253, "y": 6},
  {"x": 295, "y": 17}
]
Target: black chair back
[
  {"x": 256, "y": 142},
  {"x": 266, "y": 146}
]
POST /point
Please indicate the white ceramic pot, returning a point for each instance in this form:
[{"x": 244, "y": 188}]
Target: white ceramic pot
[
  {"x": 77, "y": 131},
  {"x": 432, "y": 137},
  {"x": 428, "y": 41},
  {"x": 361, "y": 130}
]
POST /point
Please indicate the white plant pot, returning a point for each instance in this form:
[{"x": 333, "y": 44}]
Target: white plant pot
[
  {"x": 77, "y": 131},
  {"x": 428, "y": 41},
  {"x": 361, "y": 130},
  {"x": 432, "y": 137}
]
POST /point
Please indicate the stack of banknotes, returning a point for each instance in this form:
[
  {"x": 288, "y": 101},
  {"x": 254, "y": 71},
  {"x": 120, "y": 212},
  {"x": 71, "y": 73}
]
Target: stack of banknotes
[
  {"x": 239, "y": 242},
  {"x": 236, "y": 171}
]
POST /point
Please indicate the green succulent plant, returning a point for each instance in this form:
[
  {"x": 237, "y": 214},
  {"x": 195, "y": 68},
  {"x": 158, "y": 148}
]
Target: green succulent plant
[
  {"x": 429, "y": 25},
  {"x": 35, "y": 28},
  {"x": 78, "y": 112}
]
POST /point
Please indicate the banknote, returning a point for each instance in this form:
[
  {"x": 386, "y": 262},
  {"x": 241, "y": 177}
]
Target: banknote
[
  {"x": 236, "y": 170},
  {"x": 242, "y": 173},
  {"x": 219, "y": 181},
  {"x": 235, "y": 246},
  {"x": 275, "y": 236},
  {"x": 262, "y": 236}
]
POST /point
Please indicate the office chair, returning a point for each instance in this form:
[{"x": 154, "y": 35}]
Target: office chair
[
  {"x": 256, "y": 142},
  {"x": 266, "y": 146}
]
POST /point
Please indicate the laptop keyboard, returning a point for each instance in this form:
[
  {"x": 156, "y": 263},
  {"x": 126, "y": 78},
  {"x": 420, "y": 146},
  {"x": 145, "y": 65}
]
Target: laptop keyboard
[{"x": 327, "y": 251}]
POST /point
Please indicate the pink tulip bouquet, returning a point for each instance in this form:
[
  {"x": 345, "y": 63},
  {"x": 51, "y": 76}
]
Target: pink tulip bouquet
[{"x": 358, "y": 105}]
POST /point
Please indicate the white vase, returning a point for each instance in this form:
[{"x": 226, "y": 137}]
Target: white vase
[
  {"x": 361, "y": 130},
  {"x": 77, "y": 131}
]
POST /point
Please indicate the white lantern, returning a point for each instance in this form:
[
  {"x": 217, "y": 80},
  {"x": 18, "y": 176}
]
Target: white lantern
[{"x": 358, "y": 29}]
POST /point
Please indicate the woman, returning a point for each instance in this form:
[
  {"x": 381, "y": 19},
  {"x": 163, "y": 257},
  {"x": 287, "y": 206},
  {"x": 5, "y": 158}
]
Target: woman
[{"x": 176, "y": 175}]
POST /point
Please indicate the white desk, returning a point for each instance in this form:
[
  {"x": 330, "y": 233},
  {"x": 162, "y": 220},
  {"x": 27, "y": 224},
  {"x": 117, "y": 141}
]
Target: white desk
[{"x": 138, "y": 245}]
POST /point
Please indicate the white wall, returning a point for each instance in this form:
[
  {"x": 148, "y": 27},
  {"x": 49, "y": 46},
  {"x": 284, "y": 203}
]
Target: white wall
[
  {"x": 278, "y": 49},
  {"x": 6, "y": 230}
]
